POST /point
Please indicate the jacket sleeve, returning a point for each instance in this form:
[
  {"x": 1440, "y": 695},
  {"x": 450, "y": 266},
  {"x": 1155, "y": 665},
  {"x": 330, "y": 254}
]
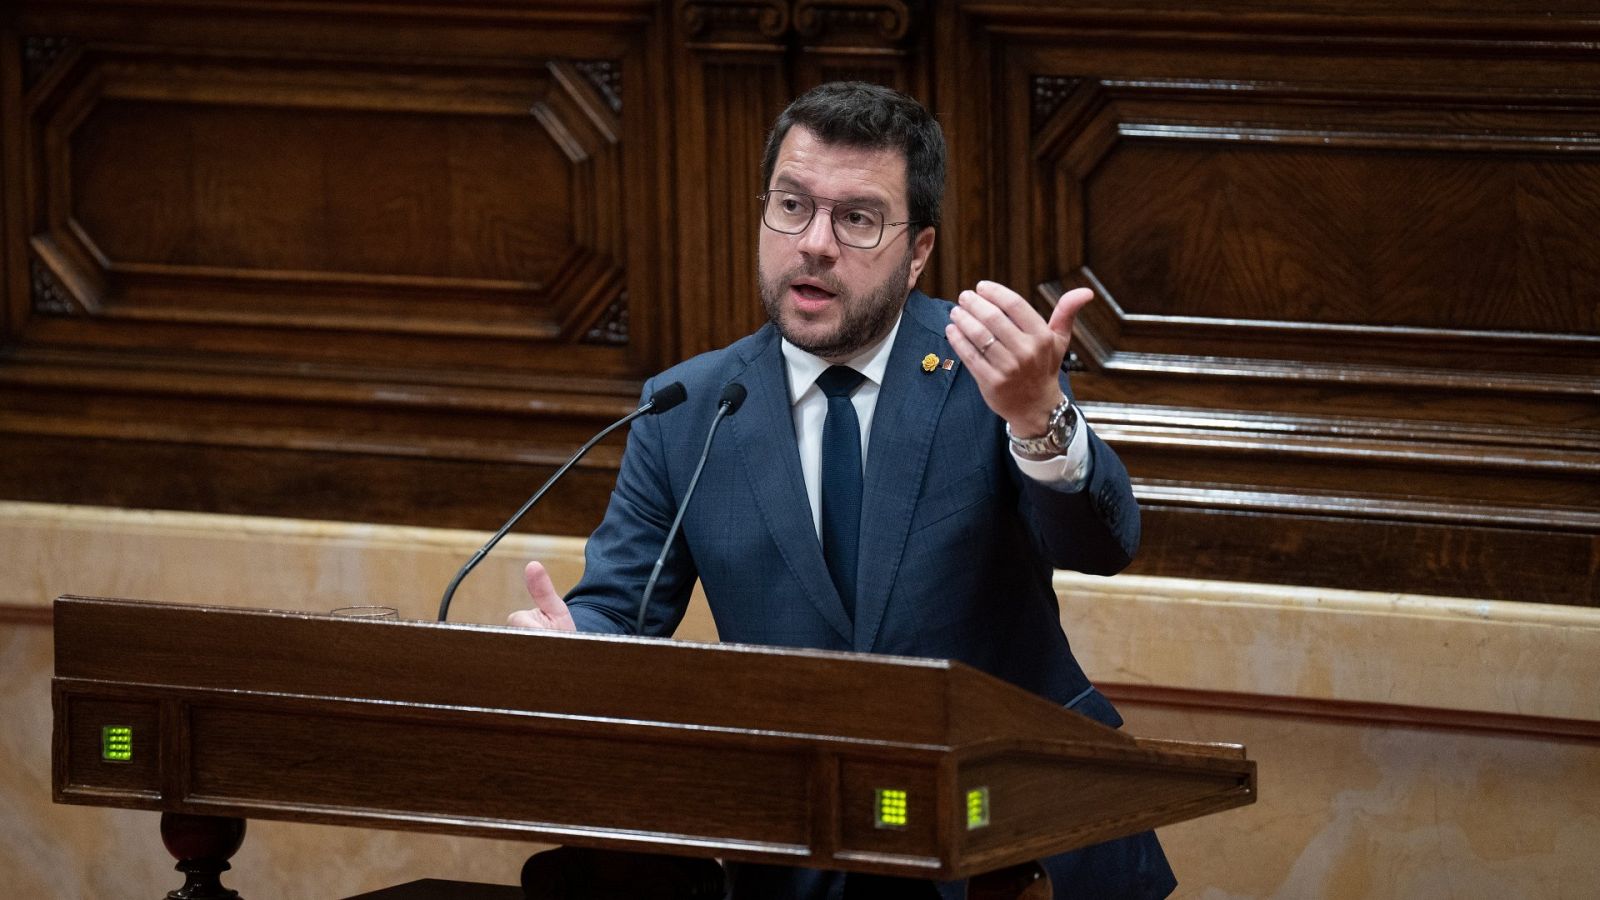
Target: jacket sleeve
[{"x": 1095, "y": 529}]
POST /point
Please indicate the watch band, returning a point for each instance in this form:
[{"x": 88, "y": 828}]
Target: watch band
[{"x": 1059, "y": 432}]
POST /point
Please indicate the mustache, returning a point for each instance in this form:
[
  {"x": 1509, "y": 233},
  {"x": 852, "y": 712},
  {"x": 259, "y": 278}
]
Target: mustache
[{"x": 824, "y": 279}]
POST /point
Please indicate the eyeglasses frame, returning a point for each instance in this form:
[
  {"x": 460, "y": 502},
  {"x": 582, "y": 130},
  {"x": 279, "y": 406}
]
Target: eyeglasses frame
[{"x": 832, "y": 222}]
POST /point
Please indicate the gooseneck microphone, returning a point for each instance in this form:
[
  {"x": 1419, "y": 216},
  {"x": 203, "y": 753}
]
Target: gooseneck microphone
[
  {"x": 659, "y": 402},
  {"x": 732, "y": 398}
]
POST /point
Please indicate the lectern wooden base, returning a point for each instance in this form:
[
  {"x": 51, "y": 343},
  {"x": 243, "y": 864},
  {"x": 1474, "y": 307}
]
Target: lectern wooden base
[
  {"x": 202, "y": 845},
  {"x": 916, "y": 769}
]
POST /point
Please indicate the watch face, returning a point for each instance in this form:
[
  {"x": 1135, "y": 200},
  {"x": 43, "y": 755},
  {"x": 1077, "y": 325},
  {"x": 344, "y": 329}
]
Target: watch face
[
  {"x": 1063, "y": 422},
  {"x": 1058, "y": 433},
  {"x": 1060, "y": 416}
]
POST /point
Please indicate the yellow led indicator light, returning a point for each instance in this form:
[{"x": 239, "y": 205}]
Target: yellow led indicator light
[
  {"x": 116, "y": 743},
  {"x": 977, "y": 808},
  {"x": 891, "y": 808}
]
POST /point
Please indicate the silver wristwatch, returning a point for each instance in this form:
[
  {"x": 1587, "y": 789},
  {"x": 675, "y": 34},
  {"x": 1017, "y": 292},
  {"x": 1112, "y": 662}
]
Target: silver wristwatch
[{"x": 1057, "y": 436}]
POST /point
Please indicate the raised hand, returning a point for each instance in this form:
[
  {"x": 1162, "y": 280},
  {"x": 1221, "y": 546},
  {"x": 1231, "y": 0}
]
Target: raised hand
[{"x": 1014, "y": 354}]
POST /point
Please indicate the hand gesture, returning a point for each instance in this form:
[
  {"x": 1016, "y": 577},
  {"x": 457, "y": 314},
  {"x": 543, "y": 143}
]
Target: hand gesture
[
  {"x": 1014, "y": 354},
  {"x": 549, "y": 611}
]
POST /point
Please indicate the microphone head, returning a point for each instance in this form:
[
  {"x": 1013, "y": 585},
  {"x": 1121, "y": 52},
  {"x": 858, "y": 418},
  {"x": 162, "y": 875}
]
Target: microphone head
[
  {"x": 667, "y": 398},
  {"x": 732, "y": 397}
]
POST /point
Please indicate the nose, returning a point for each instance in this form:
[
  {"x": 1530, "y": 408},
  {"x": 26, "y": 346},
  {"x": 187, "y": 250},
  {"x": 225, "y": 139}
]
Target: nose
[{"x": 818, "y": 239}]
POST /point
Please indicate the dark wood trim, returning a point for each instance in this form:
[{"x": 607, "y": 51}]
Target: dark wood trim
[
  {"x": 467, "y": 492},
  {"x": 1579, "y": 730},
  {"x": 1356, "y": 24},
  {"x": 17, "y": 614}
]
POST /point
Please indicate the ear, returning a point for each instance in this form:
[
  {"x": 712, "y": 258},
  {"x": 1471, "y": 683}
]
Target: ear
[{"x": 920, "y": 251}]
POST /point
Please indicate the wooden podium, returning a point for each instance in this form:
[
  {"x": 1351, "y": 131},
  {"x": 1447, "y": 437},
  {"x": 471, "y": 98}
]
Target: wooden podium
[{"x": 890, "y": 765}]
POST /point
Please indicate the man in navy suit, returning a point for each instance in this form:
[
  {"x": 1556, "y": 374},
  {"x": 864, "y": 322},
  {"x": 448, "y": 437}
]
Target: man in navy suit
[{"x": 975, "y": 477}]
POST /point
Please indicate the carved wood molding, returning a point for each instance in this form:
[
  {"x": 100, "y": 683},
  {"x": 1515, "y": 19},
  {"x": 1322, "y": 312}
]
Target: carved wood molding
[
  {"x": 735, "y": 21},
  {"x": 606, "y": 76},
  {"x": 49, "y": 296},
  {"x": 40, "y": 54},
  {"x": 855, "y": 23},
  {"x": 886, "y": 21},
  {"x": 612, "y": 327},
  {"x": 1049, "y": 93}
]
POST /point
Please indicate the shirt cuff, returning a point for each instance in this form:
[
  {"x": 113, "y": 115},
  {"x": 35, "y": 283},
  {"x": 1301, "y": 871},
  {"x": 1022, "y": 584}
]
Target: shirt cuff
[{"x": 1068, "y": 472}]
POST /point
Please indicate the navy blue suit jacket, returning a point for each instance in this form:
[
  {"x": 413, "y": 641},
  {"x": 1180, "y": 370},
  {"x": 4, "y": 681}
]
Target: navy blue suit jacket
[{"x": 957, "y": 546}]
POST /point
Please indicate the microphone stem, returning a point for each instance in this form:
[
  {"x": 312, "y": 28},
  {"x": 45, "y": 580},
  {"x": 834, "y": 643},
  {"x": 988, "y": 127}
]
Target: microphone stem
[
  {"x": 723, "y": 410},
  {"x": 449, "y": 592}
]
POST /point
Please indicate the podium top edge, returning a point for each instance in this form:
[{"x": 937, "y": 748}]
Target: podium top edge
[{"x": 666, "y": 644}]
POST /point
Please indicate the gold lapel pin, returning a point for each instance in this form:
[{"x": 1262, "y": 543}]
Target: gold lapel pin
[
  {"x": 931, "y": 362},
  {"x": 949, "y": 364}
]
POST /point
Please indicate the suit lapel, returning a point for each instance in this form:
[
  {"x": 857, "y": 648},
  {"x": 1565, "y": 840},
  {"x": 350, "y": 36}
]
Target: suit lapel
[
  {"x": 903, "y": 430},
  {"x": 765, "y": 432}
]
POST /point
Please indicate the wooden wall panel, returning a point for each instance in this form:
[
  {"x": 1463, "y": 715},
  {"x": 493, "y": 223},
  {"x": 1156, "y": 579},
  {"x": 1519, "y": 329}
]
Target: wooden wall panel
[
  {"x": 1345, "y": 330},
  {"x": 391, "y": 248},
  {"x": 734, "y": 80},
  {"x": 478, "y": 200},
  {"x": 394, "y": 263}
]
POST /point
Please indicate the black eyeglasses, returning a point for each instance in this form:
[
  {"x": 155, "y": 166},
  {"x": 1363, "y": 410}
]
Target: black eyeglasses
[{"x": 854, "y": 225}]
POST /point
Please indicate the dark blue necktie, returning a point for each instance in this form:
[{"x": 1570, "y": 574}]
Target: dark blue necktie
[{"x": 841, "y": 481}]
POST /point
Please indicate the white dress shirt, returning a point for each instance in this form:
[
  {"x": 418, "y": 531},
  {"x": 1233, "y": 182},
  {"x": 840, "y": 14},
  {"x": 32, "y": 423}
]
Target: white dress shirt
[{"x": 1067, "y": 472}]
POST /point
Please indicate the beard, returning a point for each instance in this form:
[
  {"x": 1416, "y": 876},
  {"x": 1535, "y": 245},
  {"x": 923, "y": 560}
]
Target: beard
[{"x": 864, "y": 319}]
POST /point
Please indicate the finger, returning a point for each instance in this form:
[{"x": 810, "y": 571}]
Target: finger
[
  {"x": 992, "y": 318},
  {"x": 545, "y": 599},
  {"x": 977, "y": 333},
  {"x": 527, "y": 618},
  {"x": 1013, "y": 306},
  {"x": 967, "y": 351},
  {"x": 1067, "y": 309}
]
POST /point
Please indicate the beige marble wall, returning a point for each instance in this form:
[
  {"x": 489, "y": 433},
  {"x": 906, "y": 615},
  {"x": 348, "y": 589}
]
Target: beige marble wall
[
  {"x": 263, "y": 562},
  {"x": 1475, "y": 656},
  {"x": 1349, "y": 810},
  {"x": 1488, "y": 804}
]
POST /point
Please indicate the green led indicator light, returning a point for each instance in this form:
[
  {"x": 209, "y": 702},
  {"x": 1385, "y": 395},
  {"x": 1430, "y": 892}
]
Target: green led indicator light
[
  {"x": 891, "y": 807},
  {"x": 977, "y": 808},
  {"x": 116, "y": 743}
]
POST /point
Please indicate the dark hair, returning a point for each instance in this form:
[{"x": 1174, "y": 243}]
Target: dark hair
[{"x": 859, "y": 114}]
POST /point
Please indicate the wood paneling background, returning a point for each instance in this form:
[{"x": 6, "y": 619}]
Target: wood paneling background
[{"x": 393, "y": 261}]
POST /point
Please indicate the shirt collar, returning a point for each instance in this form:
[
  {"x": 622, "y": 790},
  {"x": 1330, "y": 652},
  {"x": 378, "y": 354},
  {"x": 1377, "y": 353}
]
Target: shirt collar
[{"x": 804, "y": 367}]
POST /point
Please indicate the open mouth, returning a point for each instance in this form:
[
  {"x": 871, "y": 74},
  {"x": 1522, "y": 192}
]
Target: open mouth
[{"x": 812, "y": 292}]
